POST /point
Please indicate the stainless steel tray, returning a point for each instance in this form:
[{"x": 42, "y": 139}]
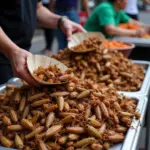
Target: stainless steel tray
[
  {"x": 145, "y": 88},
  {"x": 15, "y": 81},
  {"x": 3, "y": 148},
  {"x": 132, "y": 136}
]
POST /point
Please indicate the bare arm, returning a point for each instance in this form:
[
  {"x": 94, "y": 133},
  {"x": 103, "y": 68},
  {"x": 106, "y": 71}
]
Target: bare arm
[
  {"x": 85, "y": 5},
  {"x": 50, "y": 20},
  {"x": 46, "y": 18},
  {"x": 7, "y": 47},
  {"x": 17, "y": 57},
  {"x": 116, "y": 31}
]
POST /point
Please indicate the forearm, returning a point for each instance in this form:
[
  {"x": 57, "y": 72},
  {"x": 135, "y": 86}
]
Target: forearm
[
  {"x": 116, "y": 31},
  {"x": 7, "y": 47},
  {"x": 46, "y": 18}
]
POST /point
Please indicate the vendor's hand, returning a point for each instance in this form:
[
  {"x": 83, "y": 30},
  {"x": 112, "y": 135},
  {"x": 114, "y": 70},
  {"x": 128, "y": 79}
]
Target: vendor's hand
[
  {"x": 147, "y": 29},
  {"x": 141, "y": 32},
  {"x": 19, "y": 66},
  {"x": 69, "y": 27}
]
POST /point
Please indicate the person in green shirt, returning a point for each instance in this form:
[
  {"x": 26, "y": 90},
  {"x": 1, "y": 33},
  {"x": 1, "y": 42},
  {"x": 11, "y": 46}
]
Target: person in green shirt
[{"x": 107, "y": 16}]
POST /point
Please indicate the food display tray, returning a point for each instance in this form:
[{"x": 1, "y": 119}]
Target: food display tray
[
  {"x": 132, "y": 136},
  {"x": 145, "y": 88}
]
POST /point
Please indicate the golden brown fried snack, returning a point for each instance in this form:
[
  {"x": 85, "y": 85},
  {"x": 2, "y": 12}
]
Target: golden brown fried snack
[
  {"x": 106, "y": 67},
  {"x": 78, "y": 114}
]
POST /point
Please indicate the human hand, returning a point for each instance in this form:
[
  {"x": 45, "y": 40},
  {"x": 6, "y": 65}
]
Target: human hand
[
  {"x": 18, "y": 62},
  {"x": 148, "y": 29},
  {"x": 141, "y": 32},
  {"x": 69, "y": 27}
]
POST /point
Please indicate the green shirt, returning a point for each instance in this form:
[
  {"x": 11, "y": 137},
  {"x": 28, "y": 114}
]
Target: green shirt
[{"x": 105, "y": 14}]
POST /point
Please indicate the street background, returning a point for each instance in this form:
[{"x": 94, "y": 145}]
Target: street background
[{"x": 38, "y": 44}]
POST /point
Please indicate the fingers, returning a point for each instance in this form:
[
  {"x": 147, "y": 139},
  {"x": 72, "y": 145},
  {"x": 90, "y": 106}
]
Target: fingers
[
  {"x": 141, "y": 32},
  {"x": 69, "y": 34},
  {"x": 70, "y": 27},
  {"x": 18, "y": 63},
  {"x": 75, "y": 28},
  {"x": 81, "y": 29},
  {"x": 147, "y": 29},
  {"x": 24, "y": 74},
  {"x": 78, "y": 28}
]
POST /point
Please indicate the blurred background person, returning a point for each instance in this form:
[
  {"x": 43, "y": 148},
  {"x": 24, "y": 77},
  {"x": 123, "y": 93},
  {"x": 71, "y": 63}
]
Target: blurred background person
[
  {"x": 48, "y": 33},
  {"x": 132, "y": 8},
  {"x": 106, "y": 18},
  {"x": 67, "y": 8}
]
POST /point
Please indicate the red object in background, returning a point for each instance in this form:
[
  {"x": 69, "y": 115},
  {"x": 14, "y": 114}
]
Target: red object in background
[{"x": 82, "y": 17}]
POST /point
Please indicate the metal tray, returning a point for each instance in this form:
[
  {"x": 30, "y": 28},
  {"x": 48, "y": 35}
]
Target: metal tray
[
  {"x": 145, "y": 88},
  {"x": 15, "y": 81},
  {"x": 132, "y": 135}
]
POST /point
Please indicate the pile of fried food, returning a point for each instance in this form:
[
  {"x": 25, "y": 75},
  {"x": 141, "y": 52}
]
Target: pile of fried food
[
  {"x": 78, "y": 115},
  {"x": 102, "y": 66},
  {"x": 113, "y": 44},
  {"x": 87, "y": 45},
  {"x": 52, "y": 74}
]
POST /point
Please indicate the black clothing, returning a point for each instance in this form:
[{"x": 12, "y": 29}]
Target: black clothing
[
  {"x": 6, "y": 73},
  {"x": 18, "y": 20}
]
